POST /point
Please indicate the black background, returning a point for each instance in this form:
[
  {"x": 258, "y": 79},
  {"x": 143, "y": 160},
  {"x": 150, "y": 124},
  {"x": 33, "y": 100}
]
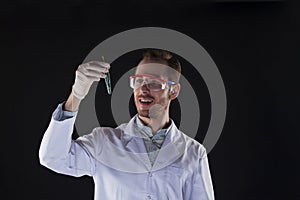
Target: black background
[{"x": 254, "y": 44}]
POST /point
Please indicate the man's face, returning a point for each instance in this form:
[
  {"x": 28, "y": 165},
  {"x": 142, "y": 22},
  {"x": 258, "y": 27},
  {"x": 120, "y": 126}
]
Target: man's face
[{"x": 146, "y": 98}]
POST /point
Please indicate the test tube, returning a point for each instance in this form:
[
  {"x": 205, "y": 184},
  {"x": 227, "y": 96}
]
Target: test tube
[{"x": 107, "y": 80}]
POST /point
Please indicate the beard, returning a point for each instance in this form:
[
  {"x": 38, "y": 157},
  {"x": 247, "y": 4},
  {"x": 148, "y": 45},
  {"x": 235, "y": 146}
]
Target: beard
[
  {"x": 143, "y": 113},
  {"x": 156, "y": 112}
]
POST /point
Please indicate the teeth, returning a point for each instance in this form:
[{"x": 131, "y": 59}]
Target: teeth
[{"x": 146, "y": 101}]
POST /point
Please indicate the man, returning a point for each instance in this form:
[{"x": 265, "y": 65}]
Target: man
[{"x": 147, "y": 158}]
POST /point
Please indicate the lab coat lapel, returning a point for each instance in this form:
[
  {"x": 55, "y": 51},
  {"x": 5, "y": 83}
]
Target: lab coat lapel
[
  {"x": 172, "y": 148},
  {"x": 134, "y": 143}
]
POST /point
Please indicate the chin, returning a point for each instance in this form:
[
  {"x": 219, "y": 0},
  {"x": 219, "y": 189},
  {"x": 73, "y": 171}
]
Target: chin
[{"x": 143, "y": 113}]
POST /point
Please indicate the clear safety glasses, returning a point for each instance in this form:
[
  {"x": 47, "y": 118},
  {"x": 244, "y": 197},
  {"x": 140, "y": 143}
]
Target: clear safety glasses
[{"x": 152, "y": 83}]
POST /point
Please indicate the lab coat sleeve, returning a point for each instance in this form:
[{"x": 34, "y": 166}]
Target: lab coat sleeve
[
  {"x": 200, "y": 185},
  {"x": 61, "y": 154}
]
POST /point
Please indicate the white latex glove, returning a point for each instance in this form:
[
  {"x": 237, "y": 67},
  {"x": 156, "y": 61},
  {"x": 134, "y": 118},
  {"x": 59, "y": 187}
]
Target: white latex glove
[{"x": 86, "y": 74}]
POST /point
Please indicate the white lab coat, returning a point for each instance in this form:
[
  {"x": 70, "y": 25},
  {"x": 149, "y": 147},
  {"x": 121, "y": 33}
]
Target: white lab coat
[{"x": 117, "y": 160}]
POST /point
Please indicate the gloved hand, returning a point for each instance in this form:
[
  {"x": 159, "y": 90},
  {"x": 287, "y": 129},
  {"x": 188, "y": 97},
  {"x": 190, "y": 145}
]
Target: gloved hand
[{"x": 86, "y": 74}]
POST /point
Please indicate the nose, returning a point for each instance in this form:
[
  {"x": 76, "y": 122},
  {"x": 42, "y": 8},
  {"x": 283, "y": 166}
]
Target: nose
[{"x": 144, "y": 87}]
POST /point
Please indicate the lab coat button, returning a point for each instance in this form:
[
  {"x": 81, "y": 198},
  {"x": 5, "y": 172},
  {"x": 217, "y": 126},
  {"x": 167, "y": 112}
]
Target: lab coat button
[
  {"x": 148, "y": 197},
  {"x": 150, "y": 174}
]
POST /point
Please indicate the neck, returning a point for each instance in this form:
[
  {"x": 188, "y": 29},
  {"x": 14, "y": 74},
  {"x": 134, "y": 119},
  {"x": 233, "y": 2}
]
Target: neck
[{"x": 156, "y": 123}]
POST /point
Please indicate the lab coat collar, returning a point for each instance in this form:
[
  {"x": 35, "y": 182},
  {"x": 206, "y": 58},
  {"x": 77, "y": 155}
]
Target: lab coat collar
[{"x": 172, "y": 148}]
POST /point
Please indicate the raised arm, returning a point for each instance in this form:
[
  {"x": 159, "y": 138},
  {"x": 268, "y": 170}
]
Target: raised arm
[{"x": 58, "y": 151}]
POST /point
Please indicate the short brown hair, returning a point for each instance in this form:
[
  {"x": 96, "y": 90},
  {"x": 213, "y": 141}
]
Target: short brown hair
[{"x": 163, "y": 55}]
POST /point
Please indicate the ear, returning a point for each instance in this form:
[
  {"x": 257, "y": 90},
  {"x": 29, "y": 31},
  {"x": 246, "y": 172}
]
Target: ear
[{"x": 174, "y": 91}]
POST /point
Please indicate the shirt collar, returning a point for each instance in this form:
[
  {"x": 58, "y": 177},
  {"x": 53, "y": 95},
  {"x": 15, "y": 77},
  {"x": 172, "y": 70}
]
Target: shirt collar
[{"x": 148, "y": 131}]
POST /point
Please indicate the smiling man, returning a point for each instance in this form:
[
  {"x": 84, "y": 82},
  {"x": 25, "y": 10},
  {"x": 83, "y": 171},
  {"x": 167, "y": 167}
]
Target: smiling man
[{"x": 146, "y": 158}]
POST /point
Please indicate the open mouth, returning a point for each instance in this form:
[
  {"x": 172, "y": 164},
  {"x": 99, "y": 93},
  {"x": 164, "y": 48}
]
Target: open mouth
[{"x": 145, "y": 102}]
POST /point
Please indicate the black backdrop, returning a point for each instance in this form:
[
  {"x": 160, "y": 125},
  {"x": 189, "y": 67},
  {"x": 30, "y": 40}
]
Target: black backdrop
[{"x": 254, "y": 44}]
